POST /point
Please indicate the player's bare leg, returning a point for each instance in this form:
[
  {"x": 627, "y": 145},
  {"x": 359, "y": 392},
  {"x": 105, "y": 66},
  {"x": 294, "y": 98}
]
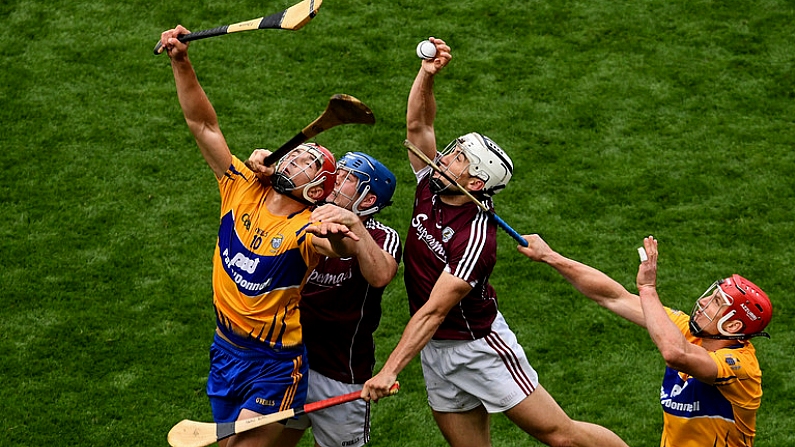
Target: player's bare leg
[
  {"x": 264, "y": 436},
  {"x": 467, "y": 429},
  {"x": 541, "y": 417},
  {"x": 289, "y": 437}
]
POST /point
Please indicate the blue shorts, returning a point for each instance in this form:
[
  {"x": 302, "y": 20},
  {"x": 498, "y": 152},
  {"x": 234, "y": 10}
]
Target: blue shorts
[{"x": 254, "y": 380}]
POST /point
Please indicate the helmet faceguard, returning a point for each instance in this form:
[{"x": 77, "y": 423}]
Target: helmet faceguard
[
  {"x": 487, "y": 161},
  {"x": 436, "y": 185},
  {"x": 318, "y": 170},
  {"x": 738, "y": 299},
  {"x": 371, "y": 177}
]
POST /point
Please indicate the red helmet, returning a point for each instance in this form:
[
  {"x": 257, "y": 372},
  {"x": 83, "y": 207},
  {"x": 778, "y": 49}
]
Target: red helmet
[
  {"x": 743, "y": 300},
  {"x": 326, "y": 175},
  {"x": 749, "y": 304}
]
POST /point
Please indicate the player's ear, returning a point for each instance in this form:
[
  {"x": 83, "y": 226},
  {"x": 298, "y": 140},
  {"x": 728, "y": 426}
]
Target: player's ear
[
  {"x": 733, "y": 326},
  {"x": 369, "y": 201},
  {"x": 475, "y": 184},
  {"x": 315, "y": 193}
]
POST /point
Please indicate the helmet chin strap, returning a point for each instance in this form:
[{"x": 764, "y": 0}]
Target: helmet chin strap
[
  {"x": 735, "y": 337},
  {"x": 698, "y": 332},
  {"x": 437, "y": 187}
]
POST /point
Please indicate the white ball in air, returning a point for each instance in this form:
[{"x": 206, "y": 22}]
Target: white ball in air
[{"x": 426, "y": 50}]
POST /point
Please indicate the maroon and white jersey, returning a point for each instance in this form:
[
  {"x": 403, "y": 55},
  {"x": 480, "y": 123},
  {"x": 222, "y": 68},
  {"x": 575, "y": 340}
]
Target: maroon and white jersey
[
  {"x": 462, "y": 241},
  {"x": 340, "y": 312}
]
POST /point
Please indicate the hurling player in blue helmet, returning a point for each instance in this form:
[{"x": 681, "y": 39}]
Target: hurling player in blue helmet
[
  {"x": 374, "y": 184},
  {"x": 341, "y": 303}
]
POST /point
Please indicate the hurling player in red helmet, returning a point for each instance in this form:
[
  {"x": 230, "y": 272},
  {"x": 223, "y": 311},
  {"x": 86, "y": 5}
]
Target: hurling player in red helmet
[
  {"x": 265, "y": 246},
  {"x": 306, "y": 174},
  {"x": 712, "y": 386}
]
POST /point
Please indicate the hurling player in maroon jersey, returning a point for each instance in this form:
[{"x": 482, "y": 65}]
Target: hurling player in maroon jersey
[
  {"x": 471, "y": 360},
  {"x": 341, "y": 302}
]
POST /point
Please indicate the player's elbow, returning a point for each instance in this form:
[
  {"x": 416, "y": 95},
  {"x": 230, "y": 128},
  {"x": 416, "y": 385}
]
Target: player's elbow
[
  {"x": 419, "y": 126},
  {"x": 626, "y": 306},
  {"x": 415, "y": 125},
  {"x": 380, "y": 280},
  {"x": 382, "y": 274},
  {"x": 674, "y": 355},
  {"x": 202, "y": 127},
  {"x": 676, "y": 364}
]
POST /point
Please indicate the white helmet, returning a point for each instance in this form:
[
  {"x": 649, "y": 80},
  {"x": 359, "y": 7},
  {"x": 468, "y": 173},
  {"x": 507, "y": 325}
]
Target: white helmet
[{"x": 487, "y": 161}]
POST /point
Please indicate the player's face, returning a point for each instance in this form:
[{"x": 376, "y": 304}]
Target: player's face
[
  {"x": 344, "y": 194},
  {"x": 300, "y": 166},
  {"x": 710, "y": 308},
  {"x": 456, "y": 166}
]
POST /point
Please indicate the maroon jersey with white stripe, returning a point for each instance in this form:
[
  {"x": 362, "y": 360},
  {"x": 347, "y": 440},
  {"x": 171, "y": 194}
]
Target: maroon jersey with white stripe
[
  {"x": 462, "y": 241},
  {"x": 340, "y": 312}
]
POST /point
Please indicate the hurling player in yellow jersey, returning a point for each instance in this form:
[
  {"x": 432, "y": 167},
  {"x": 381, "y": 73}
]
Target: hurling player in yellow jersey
[
  {"x": 712, "y": 386},
  {"x": 266, "y": 246}
]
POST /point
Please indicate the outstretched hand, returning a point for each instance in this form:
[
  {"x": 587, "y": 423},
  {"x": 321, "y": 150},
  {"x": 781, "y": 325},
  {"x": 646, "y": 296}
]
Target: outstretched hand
[
  {"x": 331, "y": 231},
  {"x": 536, "y": 248},
  {"x": 647, "y": 272},
  {"x": 333, "y": 213}
]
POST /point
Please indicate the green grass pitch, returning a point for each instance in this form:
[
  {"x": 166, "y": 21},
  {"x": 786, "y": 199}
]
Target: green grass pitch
[{"x": 672, "y": 118}]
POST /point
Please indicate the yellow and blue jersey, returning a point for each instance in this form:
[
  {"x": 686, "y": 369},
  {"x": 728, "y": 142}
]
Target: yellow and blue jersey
[
  {"x": 260, "y": 264},
  {"x": 696, "y": 414}
]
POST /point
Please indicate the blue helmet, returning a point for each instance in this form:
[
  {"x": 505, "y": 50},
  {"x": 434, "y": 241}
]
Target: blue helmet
[{"x": 373, "y": 177}]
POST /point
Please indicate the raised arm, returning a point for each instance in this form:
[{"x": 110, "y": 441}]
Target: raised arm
[
  {"x": 589, "y": 281},
  {"x": 678, "y": 353},
  {"x": 199, "y": 113},
  {"x": 421, "y": 108}
]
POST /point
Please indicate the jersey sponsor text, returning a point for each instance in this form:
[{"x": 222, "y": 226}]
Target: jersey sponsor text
[
  {"x": 430, "y": 241},
  {"x": 329, "y": 279}
]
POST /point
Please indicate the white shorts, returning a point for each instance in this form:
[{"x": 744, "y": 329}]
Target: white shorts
[
  {"x": 492, "y": 371},
  {"x": 340, "y": 425}
]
